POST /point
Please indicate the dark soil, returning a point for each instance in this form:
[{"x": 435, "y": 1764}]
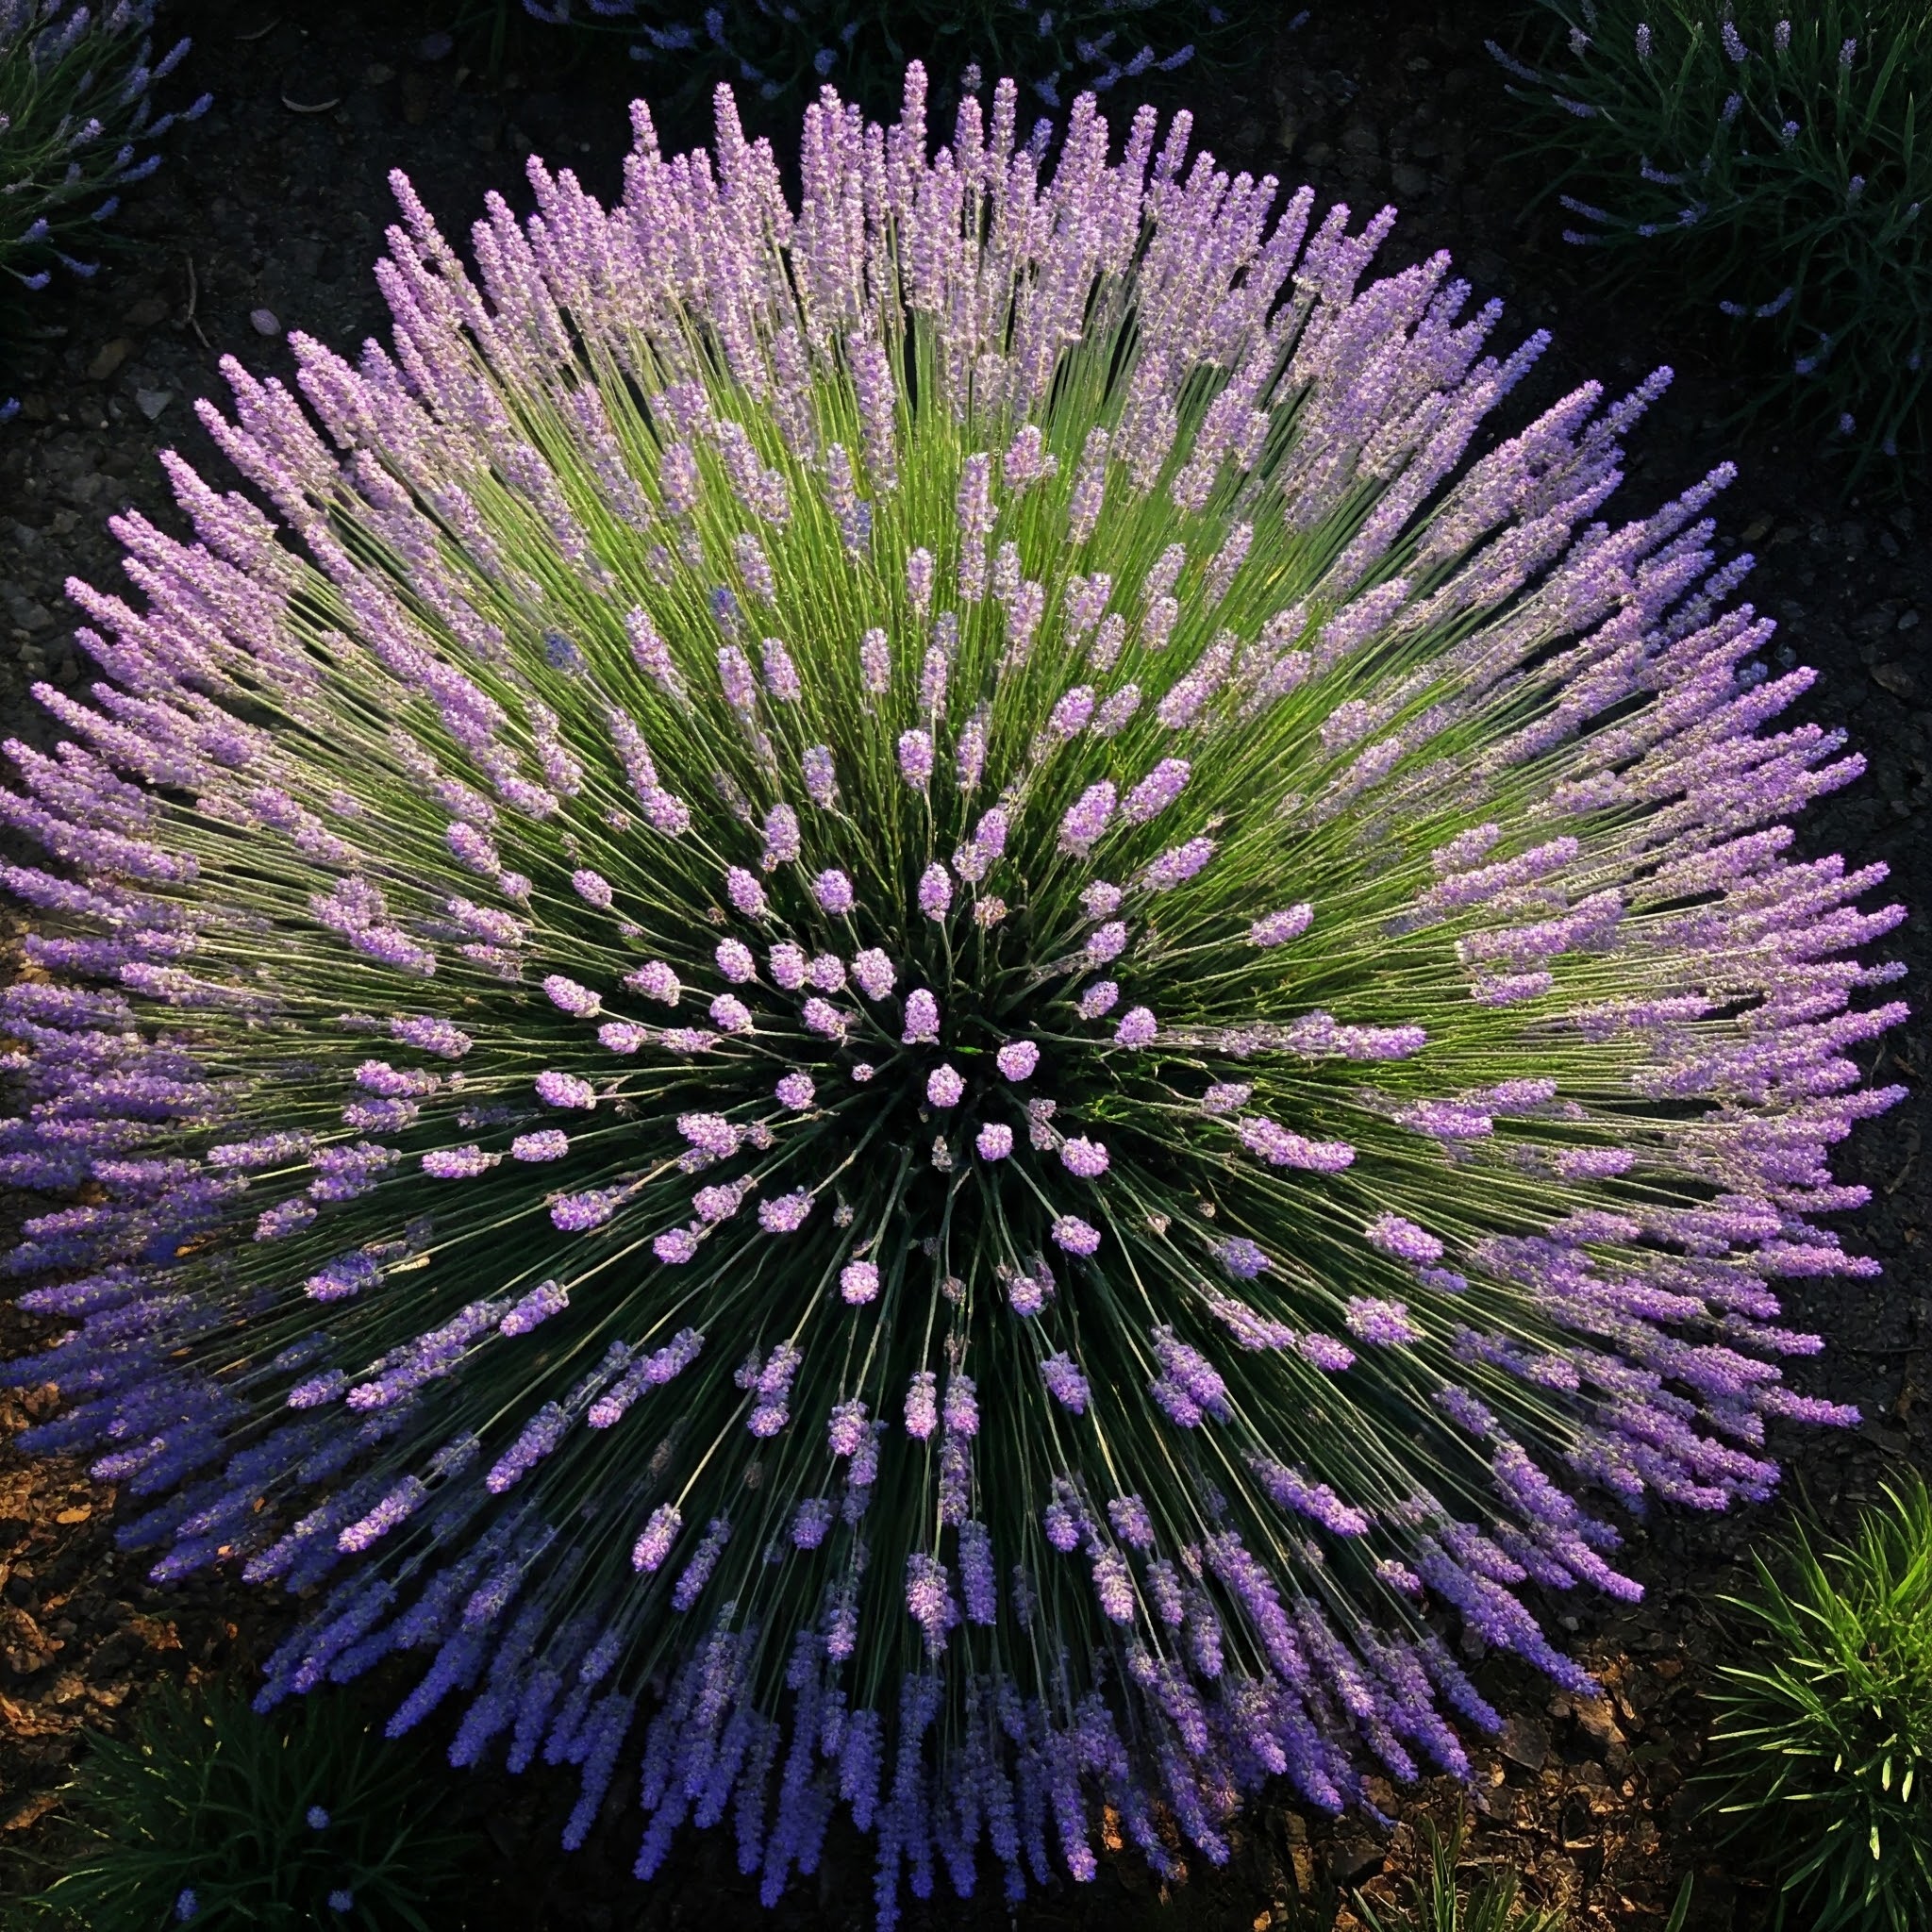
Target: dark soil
[{"x": 273, "y": 208}]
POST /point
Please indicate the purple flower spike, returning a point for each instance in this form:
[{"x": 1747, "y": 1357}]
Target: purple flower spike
[
  {"x": 833, "y": 890},
  {"x": 1018, "y": 1059},
  {"x": 1064, "y": 1383},
  {"x": 795, "y": 1091},
  {"x": 1404, "y": 1240},
  {"x": 944, "y": 1087},
  {"x": 1084, "y": 1157},
  {"x": 1381, "y": 1323},
  {"x": 858, "y": 1283},
  {"x": 922, "y": 1018},
  {"x": 935, "y": 893},
  {"x": 994, "y": 1140},
  {"x": 555, "y": 1089},
  {"x": 1137, "y": 1028},
  {"x": 1074, "y": 1235}
]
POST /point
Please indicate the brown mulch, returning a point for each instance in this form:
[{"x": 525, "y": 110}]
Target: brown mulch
[{"x": 1594, "y": 1803}]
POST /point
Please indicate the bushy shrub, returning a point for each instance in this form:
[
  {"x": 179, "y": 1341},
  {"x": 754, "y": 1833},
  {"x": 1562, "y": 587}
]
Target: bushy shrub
[
  {"x": 205, "y": 1815},
  {"x": 861, "y": 47},
  {"x": 1764, "y": 164},
  {"x": 77, "y": 108},
  {"x": 1821, "y": 1747},
  {"x": 928, "y": 997}
]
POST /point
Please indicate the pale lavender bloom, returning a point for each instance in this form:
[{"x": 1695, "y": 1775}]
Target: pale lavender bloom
[
  {"x": 810, "y": 1522},
  {"x": 918, "y": 580},
  {"x": 567, "y": 996},
  {"x": 457, "y": 1164},
  {"x": 735, "y": 678},
  {"x": 654, "y": 1543},
  {"x": 874, "y": 972},
  {"x": 745, "y": 892},
  {"x": 1101, "y": 899},
  {"x": 787, "y": 961},
  {"x": 826, "y": 972},
  {"x": 795, "y": 1091},
  {"x": 1279, "y": 928},
  {"x": 783, "y": 841},
  {"x": 655, "y": 981},
  {"x": 1018, "y": 1059},
  {"x": 622, "y": 1036},
  {"x": 1087, "y": 1159},
  {"x": 1242, "y": 1257},
  {"x": 1087, "y": 818},
  {"x": 592, "y": 888},
  {"x": 729, "y": 1014},
  {"x": 969, "y": 753},
  {"x": 781, "y": 673},
  {"x": 1117, "y": 713},
  {"x": 1074, "y": 1235},
  {"x": 786, "y": 1213},
  {"x": 1064, "y": 1382},
  {"x": 922, "y": 1018},
  {"x": 833, "y": 890},
  {"x": 821, "y": 782},
  {"x": 1404, "y": 1240},
  {"x": 1382, "y": 1324},
  {"x": 935, "y": 893},
  {"x": 1177, "y": 865},
  {"x": 1097, "y": 999},
  {"x": 929, "y": 1599},
  {"x": 734, "y": 961},
  {"x": 1132, "y": 1523},
  {"x": 709, "y": 1133},
  {"x": 944, "y": 1087},
  {"x": 716, "y": 1204},
  {"x": 823, "y": 1018},
  {"x": 1106, "y": 942},
  {"x": 915, "y": 758},
  {"x": 858, "y": 1282},
  {"x": 875, "y": 663},
  {"x": 1068, "y": 716},
  {"x": 1446, "y": 1120},
  {"x": 1113, "y": 1584},
  {"x": 580, "y": 1213},
  {"x": 1156, "y": 791},
  {"x": 1138, "y": 1027},
  {"x": 555, "y": 1089},
  {"x": 922, "y": 1405},
  {"x": 995, "y": 1142},
  {"x": 962, "y": 1406}
]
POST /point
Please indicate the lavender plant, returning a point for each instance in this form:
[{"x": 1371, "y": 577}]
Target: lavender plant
[
  {"x": 929, "y": 1012},
  {"x": 787, "y": 53},
  {"x": 76, "y": 105},
  {"x": 1762, "y": 170}
]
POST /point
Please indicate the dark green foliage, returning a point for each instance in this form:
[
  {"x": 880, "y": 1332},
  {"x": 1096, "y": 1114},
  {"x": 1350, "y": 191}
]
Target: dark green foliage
[
  {"x": 1821, "y": 1738},
  {"x": 783, "y": 54},
  {"x": 207, "y": 1805},
  {"x": 1438, "y": 1904},
  {"x": 1776, "y": 197}
]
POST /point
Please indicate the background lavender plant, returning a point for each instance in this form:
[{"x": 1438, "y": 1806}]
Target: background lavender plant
[
  {"x": 786, "y": 54},
  {"x": 930, "y": 1009},
  {"x": 1759, "y": 167},
  {"x": 76, "y": 110}
]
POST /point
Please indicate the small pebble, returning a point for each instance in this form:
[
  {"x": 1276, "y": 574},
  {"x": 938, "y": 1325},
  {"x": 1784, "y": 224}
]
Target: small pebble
[
  {"x": 264, "y": 322},
  {"x": 151, "y": 402},
  {"x": 434, "y": 46}
]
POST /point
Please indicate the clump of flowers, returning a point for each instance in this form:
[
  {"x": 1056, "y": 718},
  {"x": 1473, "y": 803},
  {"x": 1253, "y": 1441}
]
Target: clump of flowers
[
  {"x": 77, "y": 108},
  {"x": 1757, "y": 166},
  {"x": 928, "y": 1013}
]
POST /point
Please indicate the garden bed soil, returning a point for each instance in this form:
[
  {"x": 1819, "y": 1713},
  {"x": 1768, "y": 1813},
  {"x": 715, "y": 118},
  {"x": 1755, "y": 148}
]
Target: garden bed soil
[{"x": 267, "y": 217}]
